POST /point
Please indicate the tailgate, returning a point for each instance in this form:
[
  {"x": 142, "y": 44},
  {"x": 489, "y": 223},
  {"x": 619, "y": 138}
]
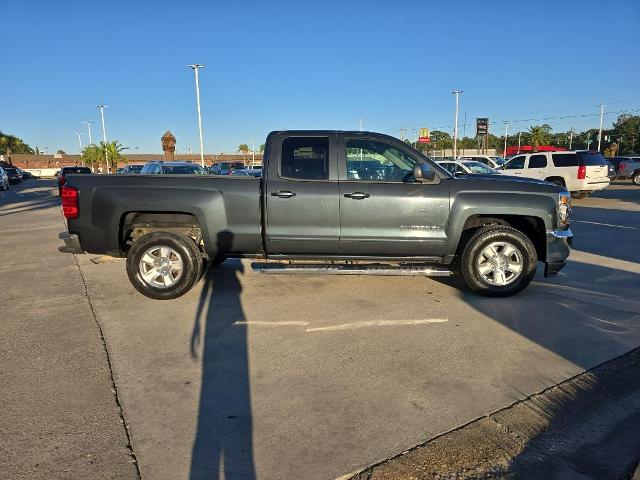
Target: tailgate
[{"x": 597, "y": 171}]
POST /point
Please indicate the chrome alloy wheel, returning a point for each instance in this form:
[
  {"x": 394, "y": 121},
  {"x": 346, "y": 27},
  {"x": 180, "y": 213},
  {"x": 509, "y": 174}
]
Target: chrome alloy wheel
[
  {"x": 161, "y": 266},
  {"x": 500, "y": 263}
]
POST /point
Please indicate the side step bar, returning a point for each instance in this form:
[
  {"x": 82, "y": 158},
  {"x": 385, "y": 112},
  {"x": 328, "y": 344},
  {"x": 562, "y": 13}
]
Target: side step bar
[{"x": 351, "y": 269}]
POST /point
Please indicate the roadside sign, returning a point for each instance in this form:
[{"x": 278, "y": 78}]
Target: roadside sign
[
  {"x": 482, "y": 126},
  {"x": 424, "y": 136}
]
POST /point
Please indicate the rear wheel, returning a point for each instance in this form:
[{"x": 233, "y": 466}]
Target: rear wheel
[
  {"x": 579, "y": 195},
  {"x": 635, "y": 178},
  {"x": 163, "y": 265},
  {"x": 498, "y": 261}
]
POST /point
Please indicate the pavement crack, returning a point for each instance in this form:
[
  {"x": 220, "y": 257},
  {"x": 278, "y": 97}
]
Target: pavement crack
[{"x": 114, "y": 387}]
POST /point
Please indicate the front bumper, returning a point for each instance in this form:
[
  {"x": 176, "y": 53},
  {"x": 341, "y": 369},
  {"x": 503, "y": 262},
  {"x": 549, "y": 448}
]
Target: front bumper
[
  {"x": 71, "y": 243},
  {"x": 558, "y": 249}
]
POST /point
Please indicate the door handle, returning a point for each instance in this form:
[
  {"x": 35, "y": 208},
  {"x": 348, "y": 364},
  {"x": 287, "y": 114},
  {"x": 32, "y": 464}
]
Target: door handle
[
  {"x": 283, "y": 194},
  {"x": 357, "y": 195}
]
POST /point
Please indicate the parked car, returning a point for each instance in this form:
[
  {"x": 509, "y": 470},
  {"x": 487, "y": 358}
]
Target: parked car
[
  {"x": 320, "y": 199},
  {"x": 4, "y": 180},
  {"x": 14, "y": 175},
  {"x": 64, "y": 171},
  {"x": 225, "y": 168},
  {"x": 26, "y": 175},
  {"x": 130, "y": 169},
  {"x": 172, "y": 168},
  {"x": 467, "y": 167},
  {"x": 489, "y": 160},
  {"x": 580, "y": 172},
  {"x": 630, "y": 168},
  {"x": 247, "y": 172}
]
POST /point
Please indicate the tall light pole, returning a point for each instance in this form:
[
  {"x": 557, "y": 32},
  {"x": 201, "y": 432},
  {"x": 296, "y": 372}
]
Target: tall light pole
[
  {"x": 519, "y": 138},
  {"x": 89, "y": 128},
  {"x": 195, "y": 67},
  {"x": 79, "y": 140},
  {"x": 455, "y": 127},
  {"x": 104, "y": 134},
  {"x": 506, "y": 135},
  {"x": 360, "y": 119},
  {"x": 600, "y": 131},
  {"x": 570, "y": 138}
]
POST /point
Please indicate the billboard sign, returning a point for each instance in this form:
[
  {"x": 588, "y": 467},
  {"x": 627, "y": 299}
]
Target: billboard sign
[
  {"x": 424, "y": 136},
  {"x": 482, "y": 126}
]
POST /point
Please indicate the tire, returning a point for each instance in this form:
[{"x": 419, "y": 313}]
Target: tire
[
  {"x": 520, "y": 251},
  {"x": 579, "y": 195},
  {"x": 635, "y": 178},
  {"x": 177, "y": 264}
]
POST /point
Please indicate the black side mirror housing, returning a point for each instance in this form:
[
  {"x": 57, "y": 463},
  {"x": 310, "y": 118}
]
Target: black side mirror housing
[{"x": 422, "y": 173}]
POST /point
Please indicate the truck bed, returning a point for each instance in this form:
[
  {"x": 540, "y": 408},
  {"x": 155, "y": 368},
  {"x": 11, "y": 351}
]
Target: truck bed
[{"x": 220, "y": 204}]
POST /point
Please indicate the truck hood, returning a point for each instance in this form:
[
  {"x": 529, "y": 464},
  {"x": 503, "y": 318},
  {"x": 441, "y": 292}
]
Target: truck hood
[{"x": 505, "y": 183}]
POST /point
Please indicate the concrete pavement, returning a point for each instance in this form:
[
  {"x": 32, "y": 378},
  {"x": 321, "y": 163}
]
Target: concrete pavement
[
  {"x": 59, "y": 418},
  {"x": 314, "y": 377}
]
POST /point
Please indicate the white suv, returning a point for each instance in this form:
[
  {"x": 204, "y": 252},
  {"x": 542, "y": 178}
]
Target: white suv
[{"x": 580, "y": 172}]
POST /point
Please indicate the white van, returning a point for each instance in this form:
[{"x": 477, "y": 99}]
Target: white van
[{"x": 581, "y": 172}]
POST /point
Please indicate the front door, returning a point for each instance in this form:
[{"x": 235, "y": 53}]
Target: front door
[
  {"x": 383, "y": 211},
  {"x": 515, "y": 166},
  {"x": 301, "y": 196}
]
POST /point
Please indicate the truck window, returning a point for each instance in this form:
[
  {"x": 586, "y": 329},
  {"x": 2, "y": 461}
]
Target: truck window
[
  {"x": 305, "y": 158},
  {"x": 377, "y": 161},
  {"x": 537, "y": 161}
]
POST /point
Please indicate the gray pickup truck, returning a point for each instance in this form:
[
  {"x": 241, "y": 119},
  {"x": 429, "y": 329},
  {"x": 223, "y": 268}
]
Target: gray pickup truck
[{"x": 329, "y": 202}]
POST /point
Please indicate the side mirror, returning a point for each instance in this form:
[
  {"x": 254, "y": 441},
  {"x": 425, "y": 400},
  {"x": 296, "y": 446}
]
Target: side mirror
[{"x": 422, "y": 173}]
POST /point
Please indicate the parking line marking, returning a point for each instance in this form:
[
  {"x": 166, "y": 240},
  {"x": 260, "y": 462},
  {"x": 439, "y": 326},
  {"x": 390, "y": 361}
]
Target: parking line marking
[
  {"x": 606, "y": 224},
  {"x": 602, "y": 261},
  {"x": 376, "y": 323},
  {"x": 261, "y": 323}
]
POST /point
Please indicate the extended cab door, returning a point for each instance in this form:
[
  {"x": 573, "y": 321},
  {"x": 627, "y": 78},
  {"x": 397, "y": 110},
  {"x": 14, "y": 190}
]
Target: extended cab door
[
  {"x": 383, "y": 211},
  {"x": 301, "y": 206}
]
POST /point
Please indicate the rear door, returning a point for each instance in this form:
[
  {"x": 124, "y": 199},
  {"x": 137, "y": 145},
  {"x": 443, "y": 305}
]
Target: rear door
[
  {"x": 383, "y": 212},
  {"x": 301, "y": 195}
]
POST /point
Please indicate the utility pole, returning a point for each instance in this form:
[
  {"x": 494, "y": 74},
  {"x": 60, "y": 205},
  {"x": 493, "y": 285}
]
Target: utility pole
[
  {"x": 601, "y": 119},
  {"x": 519, "y": 137},
  {"x": 195, "y": 67},
  {"x": 89, "y": 127},
  {"x": 253, "y": 152},
  {"x": 506, "y": 135},
  {"x": 104, "y": 135},
  {"x": 455, "y": 127},
  {"x": 570, "y": 137},
  {"x": 360, "y": 120}
]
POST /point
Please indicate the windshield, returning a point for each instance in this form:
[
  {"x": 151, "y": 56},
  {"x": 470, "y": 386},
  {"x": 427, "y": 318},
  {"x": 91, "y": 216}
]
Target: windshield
[
  {"x": 477, "y": 167},
  {"x": 73, "y": 170},
  {"x": 11, "y": 170},
  {"x": 183, "y": 170}
]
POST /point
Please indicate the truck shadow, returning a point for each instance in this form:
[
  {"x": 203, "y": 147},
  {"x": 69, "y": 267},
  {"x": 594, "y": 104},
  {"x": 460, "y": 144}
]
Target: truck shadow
[{"x": 223, "y": 443}]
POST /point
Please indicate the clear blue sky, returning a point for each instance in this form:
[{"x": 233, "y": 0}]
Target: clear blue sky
[{"x": 273, "y": 65}]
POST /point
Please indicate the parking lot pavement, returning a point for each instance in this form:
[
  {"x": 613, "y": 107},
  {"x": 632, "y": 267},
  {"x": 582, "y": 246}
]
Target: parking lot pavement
[
  {"x": 59, "y": 418},
  {"x": 313, "y": 377}
]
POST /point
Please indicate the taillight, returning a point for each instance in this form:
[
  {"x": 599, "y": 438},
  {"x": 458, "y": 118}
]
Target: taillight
[
  {"x": 69, "y": 202},
  {"x": 582, "y": 172}
]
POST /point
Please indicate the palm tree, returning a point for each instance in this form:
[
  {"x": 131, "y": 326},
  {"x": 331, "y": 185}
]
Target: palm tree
[
  {"x": 114, "y": 151},
  {"x": 92, "y": 155},
  {"x": 539, "y": 135}
]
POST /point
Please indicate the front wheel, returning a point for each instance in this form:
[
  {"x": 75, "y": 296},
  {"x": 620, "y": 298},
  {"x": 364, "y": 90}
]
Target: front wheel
[
  {"x": 498, "y": 261},
  {"x": 163, "y": 265}
]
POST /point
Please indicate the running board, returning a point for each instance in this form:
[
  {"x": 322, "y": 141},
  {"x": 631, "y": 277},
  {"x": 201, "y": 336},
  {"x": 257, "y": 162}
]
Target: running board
[{"x": 351, "y": 269}]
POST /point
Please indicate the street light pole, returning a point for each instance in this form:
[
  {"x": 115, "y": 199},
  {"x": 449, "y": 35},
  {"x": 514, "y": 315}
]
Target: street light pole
[
  {"x": 570, "y": 138},
  {"x": 455, "y": 127},
  {"x": 79, "y": 140},
  {"x": 89, "y": 128},
  {"x": 519, "y": 137},
  {"x": 104, "y": 135},
  {"x": 600, "y": 131},
  {"x": 506, "y": 135},
  {"x": 195, "y": 67}
]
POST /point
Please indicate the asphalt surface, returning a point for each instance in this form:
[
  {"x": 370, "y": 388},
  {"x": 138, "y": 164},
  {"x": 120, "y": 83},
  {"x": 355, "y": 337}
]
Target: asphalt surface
[{"x": 277, "y": 377}]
